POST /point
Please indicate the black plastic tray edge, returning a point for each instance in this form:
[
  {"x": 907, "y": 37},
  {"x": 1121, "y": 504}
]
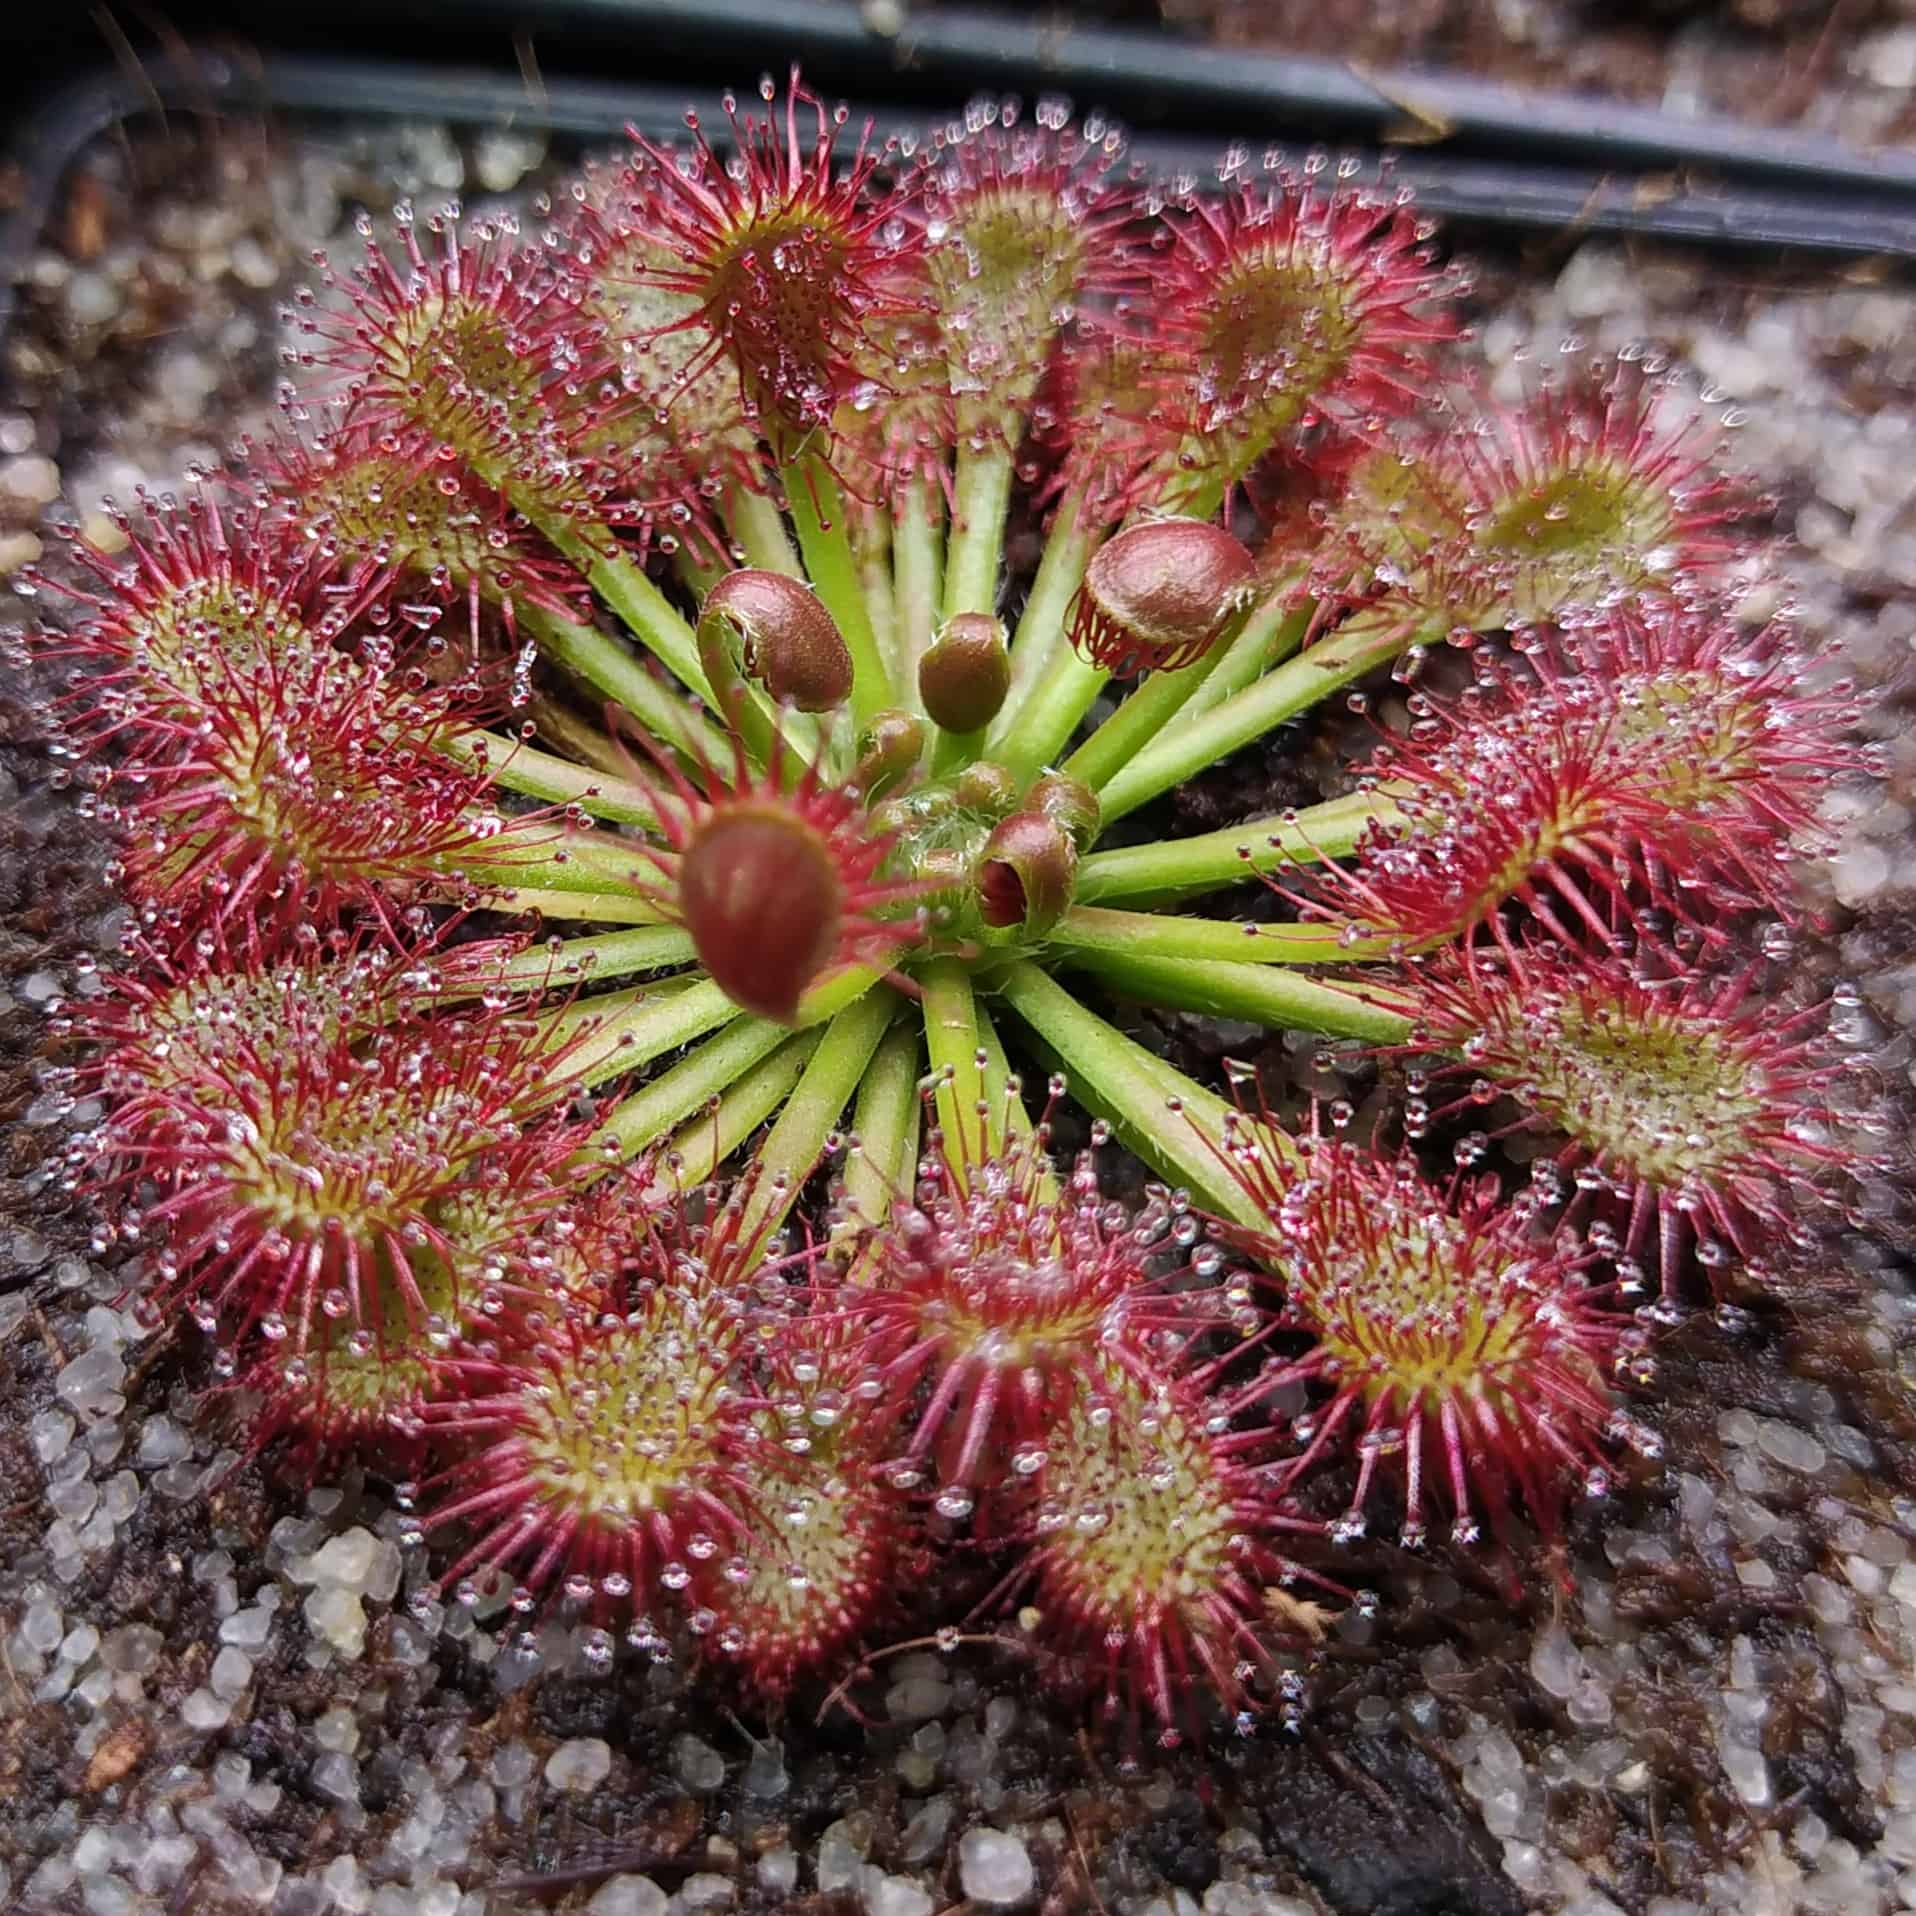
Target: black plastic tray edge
[{"x": 1830, "y": 219}]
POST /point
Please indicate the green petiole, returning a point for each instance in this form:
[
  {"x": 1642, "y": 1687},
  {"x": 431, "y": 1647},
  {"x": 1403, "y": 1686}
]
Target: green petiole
[
  {"x": 885, "y": 1121},
  {"x": 976, "y": 549},
  {"x": 631, "y": 1028},
  {"x": 572, "y": 961},
  {"x": 1269, "y": 634},
  {"x": 1368, "y": 640},
  {"x": 557, "y": 781},
  {"x": 917, "y": 570},
  {"x": 669, "y": 1099},
  {"x": 642, "y": 608},
  {"x": 605, "y": 908},
  {"x": 1169, "y": 870},
  {"x": 758, "y": 530},
  {"x": 1269, "y": 995},
  {"x": 1175, "y": 1125},
  {"x": 1088, "y": 928},
  {"x": 820, "y": 515},
  {"x": 702, "y": 1143},
  {"x": 610, "y": 668},
  {"x": 642, "y": 1032},
  {"x": 795, "y": 1143},
  {"x": 1052, "y": 713},
  {"x": 1041, "y": 625},
  {"x": 952, "y": 1042}
]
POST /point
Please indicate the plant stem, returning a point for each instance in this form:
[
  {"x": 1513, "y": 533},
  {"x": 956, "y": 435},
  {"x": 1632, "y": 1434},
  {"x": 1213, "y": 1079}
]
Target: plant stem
[
  {"x": 575, "y": 736},
  {"x": 1041, "y": 625},
  {"x": 758, "y": 724},
  {"x": 818, "y": 512},
  {"x": 885, "y": 1122},
  {"x": 1269, "y": 995},
  {"x": 536, "y": 851},
  {"x": 952, "y": 1043},
  {"x": 647, "y": 1031},
  {"x": 536, "y": 774},
  {"x": 1152, "y": 935},
  {"x": 758, "y": 530},
  {"x": 572, "y": 961},
  {"x": 917, "y": 565},
  {"x": 871, "y": 541},
  {"x": 642, "y": 608},
  {"x": 1169, "y": 870},
  {"x": 1137, "y": 722},
  {"x": 833, "y": 993},
  {"x": 794, "y": 1145},
  {"x": 1175, "y": 1125},
  {"x": 982, "y": 501},
  {"x": 998, "y": 1076},
  {"x": 950, "y": 751},
  {"x": 1051, "y": 714},
  {"x": 1207, "y": 465},
  {"x": 698, "y": 571},
  {"x": 605, "y": 908},
  {"x": 609, "y": 668},
  {"x": 753, "y": 723},
  {"x": 1269, "y": 634},
  {"x": 1366, "y": 641},
  {"x": 632, "y": 1028},
  {"x": 973, "y": 560},
  {"x": 703, "y": 1142},
  {"x": 1018, "y": 1125},
  {"x": 1198, "y": 492},
  {"x": 701, "y": 1075}
]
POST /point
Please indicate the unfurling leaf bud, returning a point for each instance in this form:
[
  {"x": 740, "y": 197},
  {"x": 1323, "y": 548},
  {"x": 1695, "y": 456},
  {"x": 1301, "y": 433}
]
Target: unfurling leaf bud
[
  {"x": 888, "y": 752},
  {"x": 1071, "y": 802},
  {"x": 760, "y": 892},
  {"x": 965, "y": 675},
  {"x": 1025, "y": 874},
  {"x": 941, "y": 870},
  {"x": 1157, "y": 596},
  {"x": 777, "y": 632},
  {"x": 986, "y": 790}
]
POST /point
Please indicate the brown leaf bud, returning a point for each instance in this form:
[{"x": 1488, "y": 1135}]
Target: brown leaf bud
[
  {"x": 986, "y": 790},
  {"x": 1157, "y": 596},
  {"x": 760, "y": 892},
  {"x": 775, "y": 631},
  {"x": 1026, "y": 873},
  {"x": 965, "y": 675},
  {"x": 1071, "y": 802},
  {"x": 889, "y": 749}
]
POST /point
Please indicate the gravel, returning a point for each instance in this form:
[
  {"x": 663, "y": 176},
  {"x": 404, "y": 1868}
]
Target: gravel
[
  {"x": 580, "y": 1765},
  {"x": 697, "y": 1765},
  {"x": 629, "y": 1896},
  {"x": 995, "y": 1868}
]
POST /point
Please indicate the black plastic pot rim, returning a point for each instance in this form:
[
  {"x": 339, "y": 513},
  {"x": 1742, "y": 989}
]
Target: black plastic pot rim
[
  {"x": 892, "y": 49},
  {"x": 1713, "y": 184},
  {"x": 1155, "y": 78}
]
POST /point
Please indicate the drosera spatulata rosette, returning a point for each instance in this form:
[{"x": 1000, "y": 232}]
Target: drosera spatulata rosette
[{"x": 613, "y": 844}]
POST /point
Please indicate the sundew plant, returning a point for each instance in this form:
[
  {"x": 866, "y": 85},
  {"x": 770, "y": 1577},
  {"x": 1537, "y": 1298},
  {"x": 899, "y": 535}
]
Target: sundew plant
[{"x": 652, "y": 799}]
